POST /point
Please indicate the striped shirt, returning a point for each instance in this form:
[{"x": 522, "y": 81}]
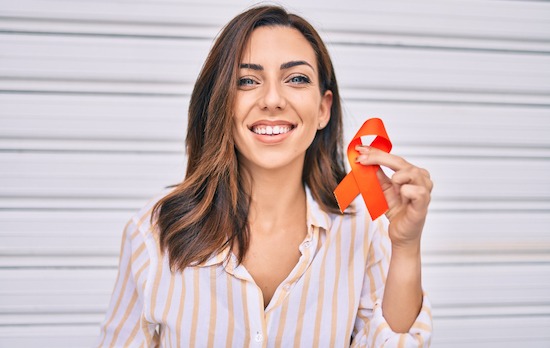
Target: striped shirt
[{"x": 332, "y": 297}]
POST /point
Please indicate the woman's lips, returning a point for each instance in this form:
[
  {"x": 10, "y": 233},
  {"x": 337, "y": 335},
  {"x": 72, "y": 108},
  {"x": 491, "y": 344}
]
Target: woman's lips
[
  {"x": 272, "y": 131},
  {"x": 271, "y": 127}
]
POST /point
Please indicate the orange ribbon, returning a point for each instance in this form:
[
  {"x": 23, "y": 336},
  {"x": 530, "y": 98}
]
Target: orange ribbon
[{"x": 362, "y": 179}]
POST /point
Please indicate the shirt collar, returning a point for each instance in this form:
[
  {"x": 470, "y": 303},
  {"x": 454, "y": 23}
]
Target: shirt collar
[{"x": 315, "y": 215}]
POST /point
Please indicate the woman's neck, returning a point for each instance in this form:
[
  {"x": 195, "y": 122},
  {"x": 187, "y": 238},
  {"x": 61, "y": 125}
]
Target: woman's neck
[{"x": 278, "y": 199}]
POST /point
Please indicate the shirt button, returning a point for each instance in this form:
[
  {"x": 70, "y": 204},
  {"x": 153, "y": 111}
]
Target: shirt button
[
  {"x": 286, "y": 287},
  {"x": 259, "y": 337},
  {"x": 307, "y": 244}
]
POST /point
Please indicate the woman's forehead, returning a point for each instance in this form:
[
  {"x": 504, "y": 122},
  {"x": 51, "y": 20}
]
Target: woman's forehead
[{"x": 277, "y": 44}]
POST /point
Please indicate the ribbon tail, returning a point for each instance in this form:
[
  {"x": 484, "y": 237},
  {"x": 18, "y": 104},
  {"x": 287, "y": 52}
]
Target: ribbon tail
[
  {"x": 372, "y": 192},
  {"x": 346, "y": 192}
]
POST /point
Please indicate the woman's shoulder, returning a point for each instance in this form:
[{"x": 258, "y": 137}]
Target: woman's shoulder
[{"x": 143, "y": 219}]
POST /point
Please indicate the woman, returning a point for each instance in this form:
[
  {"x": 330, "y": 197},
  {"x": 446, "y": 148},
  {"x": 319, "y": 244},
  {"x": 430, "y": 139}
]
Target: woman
[{"x": 251, "y": 249}]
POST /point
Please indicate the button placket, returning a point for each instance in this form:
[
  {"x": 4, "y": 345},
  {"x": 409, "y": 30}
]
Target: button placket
[{"x": 259, "y": 337}]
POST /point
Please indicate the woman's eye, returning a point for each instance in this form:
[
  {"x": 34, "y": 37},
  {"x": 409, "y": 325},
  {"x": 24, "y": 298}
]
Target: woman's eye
[
  {"x": 299, "y": 79},
  {"x": 246, "y": 81}
]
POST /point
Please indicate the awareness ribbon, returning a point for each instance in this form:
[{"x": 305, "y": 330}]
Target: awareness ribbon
[{"x": 362, "y": 179}]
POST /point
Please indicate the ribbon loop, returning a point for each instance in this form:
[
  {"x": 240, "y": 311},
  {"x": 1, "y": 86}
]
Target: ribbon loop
[{"x": 362, "y": 179}]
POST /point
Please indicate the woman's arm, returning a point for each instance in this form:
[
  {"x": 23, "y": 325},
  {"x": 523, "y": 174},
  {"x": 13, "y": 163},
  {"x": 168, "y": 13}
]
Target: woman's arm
[
  {"x": 408, "y": 195},
  {"x": 371, "y": 328}
]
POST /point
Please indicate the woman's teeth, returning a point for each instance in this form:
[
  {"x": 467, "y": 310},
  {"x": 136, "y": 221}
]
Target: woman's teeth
[{"x": 269, "y": 130}]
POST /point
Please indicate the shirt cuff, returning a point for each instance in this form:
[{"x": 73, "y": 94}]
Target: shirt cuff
[{"x": 381, "y": 335}]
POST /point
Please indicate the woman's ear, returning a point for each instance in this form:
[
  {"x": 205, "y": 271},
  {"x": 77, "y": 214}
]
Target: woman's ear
[{"x": 324, "y": 109}]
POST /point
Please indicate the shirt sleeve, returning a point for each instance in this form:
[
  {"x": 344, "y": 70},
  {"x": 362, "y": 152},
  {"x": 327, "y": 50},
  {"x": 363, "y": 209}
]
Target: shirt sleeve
[
  {"x": 125, "y": 324},
  {"x": 371, "y": 329}
]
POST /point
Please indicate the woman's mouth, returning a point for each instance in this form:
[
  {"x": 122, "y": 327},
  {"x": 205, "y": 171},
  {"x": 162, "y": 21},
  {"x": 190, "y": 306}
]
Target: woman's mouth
[{"x": 271, "y": 130}]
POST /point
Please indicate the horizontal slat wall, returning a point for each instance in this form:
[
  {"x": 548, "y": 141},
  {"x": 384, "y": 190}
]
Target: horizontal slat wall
[{"x": 93, "y": 96}]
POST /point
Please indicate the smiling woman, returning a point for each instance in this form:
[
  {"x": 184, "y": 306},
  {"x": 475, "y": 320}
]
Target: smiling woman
[
  {"x": 251, "y": 249},
  {"x": 278, "y": 89}
]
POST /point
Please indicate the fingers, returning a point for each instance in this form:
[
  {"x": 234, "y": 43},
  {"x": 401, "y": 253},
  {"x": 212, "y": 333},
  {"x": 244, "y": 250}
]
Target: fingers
[
  {"x": 370, "y": 155},
  {"x": 418, "y": 196},
  {"x": 405, "y": 172},
  {"x": 412, "y": 183},
  {"x": 413, "y": 175}
]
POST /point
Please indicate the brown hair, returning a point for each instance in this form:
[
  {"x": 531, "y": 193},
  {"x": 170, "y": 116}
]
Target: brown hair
[{"x": 208, "y": 211}]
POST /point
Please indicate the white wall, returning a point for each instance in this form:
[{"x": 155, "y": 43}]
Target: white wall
[{"x": 93, "y": 98}]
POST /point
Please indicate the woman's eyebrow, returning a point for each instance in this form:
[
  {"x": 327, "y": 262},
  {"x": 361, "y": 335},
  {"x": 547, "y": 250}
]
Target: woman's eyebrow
[
  {"x": 284, "y": 66},
  {"x": 257, "y": 67},
  {"x": 294, "y": 63}
]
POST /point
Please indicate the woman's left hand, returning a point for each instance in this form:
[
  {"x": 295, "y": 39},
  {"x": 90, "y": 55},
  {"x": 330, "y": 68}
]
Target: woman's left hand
[{"x": 407, "y": 192}]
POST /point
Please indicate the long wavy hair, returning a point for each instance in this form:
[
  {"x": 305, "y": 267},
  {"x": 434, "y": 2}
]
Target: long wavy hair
[{"x": 208, "y": 211}]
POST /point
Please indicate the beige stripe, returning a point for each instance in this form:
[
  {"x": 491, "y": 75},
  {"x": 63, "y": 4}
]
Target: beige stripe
[
  {"x": 368, "y": 260},
  {"x": 168, "y": 303},
  {"x": 155, "y": 286},
  {"x": 427, "y": 310},
  {"x": 320, "y": 298},
  {"x": 125, "y": 233},
  {"x": 421, "y": 326},
  {"x": 133, "y": 334},
  {"x": 119, "y": 273},
  {"x": 379, "y": 329},
  {"x": 282, "y": 322},
  {"x": 179, "y": 327},
  {"x": 351, "y": 275},
  {"x": 170, "y": 334},
  {"x": 145, "y": 329},
  {"x": 368, "y": 251},
  {"x": 145, "y": 216},
  {"x": 382, "y": 269},
  {"x": 303, "y": 300},
  {"x": 264, "y": 324},
  {"x": 196, "y": 305},
  {"x": 245, "y": 311},
  {"x": 231, "y": 321},
  {"x": 119, "y": 299},
  {"x": 385, "y": 261},
  {"x": 137, "y": 252},
  {"x": 129, "y": 309},
  {"x": 135, "y": 234},
  {"x": 386, "y": 252},
  {"x": 420, "y": 340},
  {"x": 334, "y": 313},
  {"x": 213, "y": 309},
  {"x": 366, "y": 241},
  {"x": 402, "y": 341},
  {"x": 370, "y": 275},
  {"x": 142, "y": 268}
]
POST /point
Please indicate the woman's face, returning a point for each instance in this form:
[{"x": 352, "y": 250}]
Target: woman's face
[{"x": 278, "y": 105}]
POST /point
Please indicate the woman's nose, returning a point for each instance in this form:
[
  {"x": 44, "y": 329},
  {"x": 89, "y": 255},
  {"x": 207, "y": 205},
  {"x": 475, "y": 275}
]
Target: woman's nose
[{"x": 273, "y": 97}]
